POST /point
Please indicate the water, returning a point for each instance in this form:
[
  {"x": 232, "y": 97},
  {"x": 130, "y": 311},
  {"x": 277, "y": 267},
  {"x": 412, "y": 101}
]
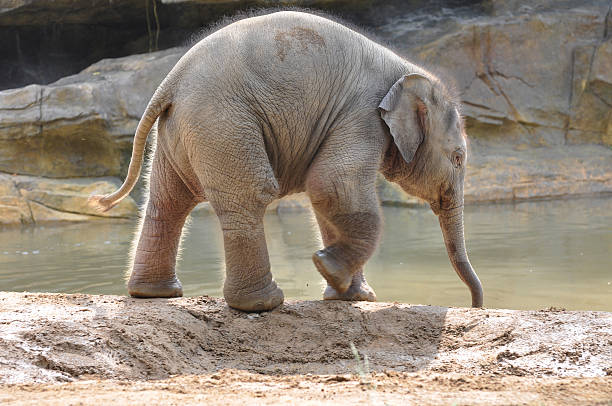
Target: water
[{"x": 528, "y": 255}]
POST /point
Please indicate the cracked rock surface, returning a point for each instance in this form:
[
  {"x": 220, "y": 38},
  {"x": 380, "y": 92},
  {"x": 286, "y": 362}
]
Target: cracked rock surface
[
  {"x": 61, "y": 142},
  {"x": 532, "y": 75},
  {"x": 81, "y": 125},
  {"x": 31, "y": 200}
]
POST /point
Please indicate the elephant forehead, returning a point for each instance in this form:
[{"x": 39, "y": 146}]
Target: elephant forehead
[
  {"x": 454, "y": 128},
  {"x": 452, "y": 119}
]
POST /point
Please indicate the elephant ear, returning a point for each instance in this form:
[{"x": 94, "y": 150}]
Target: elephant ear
[{"x": 404, "y": 110}]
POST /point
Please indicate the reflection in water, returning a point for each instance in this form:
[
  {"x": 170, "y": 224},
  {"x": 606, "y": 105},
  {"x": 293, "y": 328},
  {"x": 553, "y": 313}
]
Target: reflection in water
[{"x": 528, "y": 255}]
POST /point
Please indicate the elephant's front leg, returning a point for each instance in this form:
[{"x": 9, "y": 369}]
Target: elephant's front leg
[
  {"x": 359, "y": 288},
  {"x": 169, "y": 203},
  {"x": 341, "y": 262},
  {"x": 342, "y": 193}
]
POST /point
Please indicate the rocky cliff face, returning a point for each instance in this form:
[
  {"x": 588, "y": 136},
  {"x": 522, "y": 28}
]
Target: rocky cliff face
[
  {"x": 536, "y": 85},
  {"x": 530, "y": 75},
  {"x": 72, "y": 131},
  {"x": 81, "y": 125}
]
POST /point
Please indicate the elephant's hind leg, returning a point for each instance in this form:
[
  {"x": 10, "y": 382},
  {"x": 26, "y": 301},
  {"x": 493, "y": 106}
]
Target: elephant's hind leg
[
  {"x": 170, "y": 201},
  {"x": 239, "y": 183},
  {"x": 249, "y": 285}
]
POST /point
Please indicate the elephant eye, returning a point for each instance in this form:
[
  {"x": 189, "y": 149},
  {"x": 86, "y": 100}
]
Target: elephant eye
[{"x": 457, "y": 158}]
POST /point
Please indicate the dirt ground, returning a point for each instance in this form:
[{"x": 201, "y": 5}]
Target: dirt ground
[{"x": 87, "y": 349}]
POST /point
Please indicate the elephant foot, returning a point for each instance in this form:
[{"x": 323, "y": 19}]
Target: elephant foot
[
  {"x": 171, "y": 288},
  {"x": 359, "y": 290},
  {"x": 337, "y": 276},
  {"x": 258, "y": 301}
]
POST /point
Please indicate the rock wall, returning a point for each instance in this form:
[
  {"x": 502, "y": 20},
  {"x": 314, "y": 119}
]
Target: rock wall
[
  {"x": 28, "y": 199},
  {"x": 69, "y": 134},
  {"x": 531, "y": 75},
  {"x": 81, "y": 125},
  {"x": 536, "y": 85}
]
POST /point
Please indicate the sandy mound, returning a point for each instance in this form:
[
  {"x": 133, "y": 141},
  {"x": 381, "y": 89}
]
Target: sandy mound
[{"x": 48, "y": 338}]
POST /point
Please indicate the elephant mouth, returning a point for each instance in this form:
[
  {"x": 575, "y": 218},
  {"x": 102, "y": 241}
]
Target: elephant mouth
[{"x": 438, "y": 210}]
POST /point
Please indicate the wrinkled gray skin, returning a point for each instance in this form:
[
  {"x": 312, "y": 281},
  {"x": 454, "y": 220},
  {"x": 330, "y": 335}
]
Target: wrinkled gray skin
[{"x": 285, "y": 103}]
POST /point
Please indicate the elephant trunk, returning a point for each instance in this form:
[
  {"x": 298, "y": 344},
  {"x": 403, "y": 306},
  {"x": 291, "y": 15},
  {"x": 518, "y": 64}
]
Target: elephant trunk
[{"x": 451, "y": 223}]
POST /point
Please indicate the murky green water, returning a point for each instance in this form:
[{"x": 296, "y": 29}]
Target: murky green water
[{"x": 528, "y": 255}]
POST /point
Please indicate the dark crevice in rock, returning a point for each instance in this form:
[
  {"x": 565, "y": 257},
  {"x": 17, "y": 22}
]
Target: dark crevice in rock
[
  {"x": 45, "y": 54},
  {"x": 479, "y": 106},
  {"x": 540, "y": 125},
  {"x": 503, "y": 75},
  {"x": 40, "y": 114},
  {"x": 27, "y": 202},
  {"x": 488, "y": 82},
  {"x": 600, "y": 98},
  {"x": 570, "y": 98},
  {"x": 16, "y": 108},
  {"x": 608, "y": 23}
]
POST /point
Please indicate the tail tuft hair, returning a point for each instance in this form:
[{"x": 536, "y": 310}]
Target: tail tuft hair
[{"x": 100, "y": 203}]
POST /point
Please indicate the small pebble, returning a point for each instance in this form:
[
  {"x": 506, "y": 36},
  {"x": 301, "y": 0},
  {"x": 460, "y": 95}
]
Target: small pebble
[
  {"x": 106, "y": 242},
  {"x": 253, "y": 316}
]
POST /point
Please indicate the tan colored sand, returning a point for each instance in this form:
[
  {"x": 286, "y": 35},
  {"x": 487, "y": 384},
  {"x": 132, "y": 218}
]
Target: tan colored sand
[{"x": 71, "y": 349}]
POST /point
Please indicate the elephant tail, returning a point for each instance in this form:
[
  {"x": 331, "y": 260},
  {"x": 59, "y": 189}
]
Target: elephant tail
[{"x": 160, "y": 101}]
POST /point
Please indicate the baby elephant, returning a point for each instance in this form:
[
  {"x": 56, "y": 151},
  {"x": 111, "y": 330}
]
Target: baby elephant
[{"x": 284, "y": 103}]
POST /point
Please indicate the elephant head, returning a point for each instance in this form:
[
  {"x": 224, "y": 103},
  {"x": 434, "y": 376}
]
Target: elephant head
[{"x": 428, "y": 158}]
